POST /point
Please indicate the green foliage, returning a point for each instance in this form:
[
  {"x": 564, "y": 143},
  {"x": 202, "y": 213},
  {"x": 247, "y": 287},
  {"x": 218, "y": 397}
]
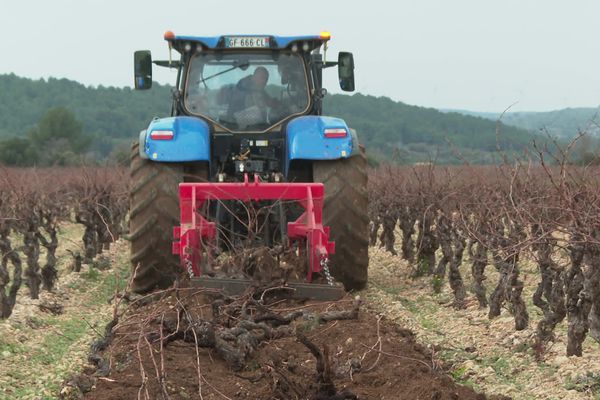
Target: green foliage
[
  {"x": 458, "y": 373},
  {"x": 588, "y": 383},
  {"x": 422, "y": 268},
  {"x": 60, "y": 123},
  {"x": 501, "y": 366},
  {"x": 437, "y": 282},
  {"x": 109, "y": 116},
  {"x": 17, "y": 151},
  {"x": 57, "y": 139},
  {"x": 112, "y": 117},
  {"x": 585, "y": 151}
]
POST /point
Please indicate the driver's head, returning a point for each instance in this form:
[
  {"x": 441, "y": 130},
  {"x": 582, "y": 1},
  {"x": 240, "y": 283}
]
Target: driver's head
[{"x": 260, "y": 77}]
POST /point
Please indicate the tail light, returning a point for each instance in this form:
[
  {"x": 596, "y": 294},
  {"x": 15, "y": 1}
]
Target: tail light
[
  {"x": 335, "y": 133},
  {"x": 161, "y": 135}
]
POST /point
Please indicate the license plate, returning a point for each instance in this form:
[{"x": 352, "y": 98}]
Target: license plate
[{"x": 247, "y": 41}]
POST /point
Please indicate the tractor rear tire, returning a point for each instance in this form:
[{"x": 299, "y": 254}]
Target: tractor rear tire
[
  {"x": 154, "y": 211},
  {"x": 345, "y": 212}
]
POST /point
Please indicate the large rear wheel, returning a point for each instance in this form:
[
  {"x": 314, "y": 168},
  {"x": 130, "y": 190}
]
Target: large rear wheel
[
  {"x": 154, "y": 202},
  {"x": 345, "y": 212}
]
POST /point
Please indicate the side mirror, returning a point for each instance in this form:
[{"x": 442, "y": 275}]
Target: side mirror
[
  {"x": 346, "y": 71},
  {"x": 142, "y": 69}
]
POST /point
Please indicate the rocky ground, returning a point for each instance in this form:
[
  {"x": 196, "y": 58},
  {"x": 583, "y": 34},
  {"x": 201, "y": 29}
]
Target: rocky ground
[
  {"x": 488, "y": 355},
  {"x": 46, "y": 340}
]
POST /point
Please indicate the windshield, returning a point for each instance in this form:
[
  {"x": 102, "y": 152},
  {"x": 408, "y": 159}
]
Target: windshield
[{"x": 246, "y": 91}]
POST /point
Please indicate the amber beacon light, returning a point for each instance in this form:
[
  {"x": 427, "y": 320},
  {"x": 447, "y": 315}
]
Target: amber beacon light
[{"x": 325, "y": 35}]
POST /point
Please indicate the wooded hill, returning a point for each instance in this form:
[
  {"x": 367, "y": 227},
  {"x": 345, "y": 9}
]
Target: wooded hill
[
  {"x": 565, "y": 124},
  {"x": 112, "y": 117}
]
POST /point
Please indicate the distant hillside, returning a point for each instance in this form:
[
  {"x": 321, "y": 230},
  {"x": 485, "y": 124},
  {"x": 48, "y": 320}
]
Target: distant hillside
[
  {"x": 411, "y": 133},
  {"x": 390, "y": 130},
  {"x": 564, "y": 124},
  {"x": 112, "y": 116}
]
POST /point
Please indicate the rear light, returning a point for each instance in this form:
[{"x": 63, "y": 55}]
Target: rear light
[
  {"x": 336, "y": 133},
  {"x": 161, "y": 135}
]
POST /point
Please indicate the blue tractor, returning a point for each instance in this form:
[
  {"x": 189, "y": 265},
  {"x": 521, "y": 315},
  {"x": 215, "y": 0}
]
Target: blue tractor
[{"x": 246, "y": 125}]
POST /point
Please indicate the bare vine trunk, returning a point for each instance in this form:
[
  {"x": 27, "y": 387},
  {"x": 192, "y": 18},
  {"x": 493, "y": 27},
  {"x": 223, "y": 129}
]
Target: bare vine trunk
[
  {"x": 444, "y": 236},
  {"x": 427, "y": 244},
  {"x": 456, "y": 281},
  {"x": 480, "y": 261},
  {"x": 578, "y": 307},
  {"x": 8, "y": 298},
  {"x": 592, "y": 290},
  {"x": 90, "y": 239},
  {"x": 388, "y": 238},
  {"x": 89, "y": 243},
  {"x": 498, "y": 296},
  {"x": 550, "y": 288},
  {"x": 49, "y": 272},
  {"x": 407, "y": 226},
  {"x": 515, "y": 291},
  {"x": 31, "y": 249},
  {"x": 374, "y": 226}
]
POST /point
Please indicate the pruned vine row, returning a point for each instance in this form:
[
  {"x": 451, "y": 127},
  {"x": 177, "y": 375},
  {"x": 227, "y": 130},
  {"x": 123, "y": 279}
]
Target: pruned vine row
[
  {"x": 489, "y": 217},
  {"x": 501, "y": 216},
  {"x": 33, "y": 205}
]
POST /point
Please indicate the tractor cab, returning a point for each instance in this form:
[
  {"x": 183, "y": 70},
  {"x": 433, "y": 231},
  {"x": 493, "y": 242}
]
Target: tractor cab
[
  {"x": 247, "y": 89},
  {"x": 270, "y": 78}
]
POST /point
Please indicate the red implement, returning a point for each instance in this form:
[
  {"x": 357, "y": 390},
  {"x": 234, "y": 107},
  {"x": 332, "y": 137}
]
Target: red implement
[{"x": 196, "y": 231}]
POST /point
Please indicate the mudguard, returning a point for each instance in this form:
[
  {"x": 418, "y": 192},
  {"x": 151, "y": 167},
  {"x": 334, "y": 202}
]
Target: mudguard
[
  {"x": 306, "y": 139},
  {"x": 190, "y": 140}
]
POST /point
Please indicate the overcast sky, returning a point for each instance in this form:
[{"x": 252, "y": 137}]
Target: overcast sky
[{"x": 463, "y": 54}]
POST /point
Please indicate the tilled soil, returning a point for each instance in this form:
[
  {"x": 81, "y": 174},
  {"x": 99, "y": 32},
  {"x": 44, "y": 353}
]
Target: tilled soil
[{"x": 365, "y": 358}]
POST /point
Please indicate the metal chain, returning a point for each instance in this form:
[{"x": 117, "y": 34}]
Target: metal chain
[
  {"x": 325, "y": 266},
  {"x": 189, "y": 267}
]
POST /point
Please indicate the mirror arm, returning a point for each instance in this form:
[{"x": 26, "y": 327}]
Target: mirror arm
[
  {"x": 330, "y": 64},
  {"x": 167, "y": 64}
]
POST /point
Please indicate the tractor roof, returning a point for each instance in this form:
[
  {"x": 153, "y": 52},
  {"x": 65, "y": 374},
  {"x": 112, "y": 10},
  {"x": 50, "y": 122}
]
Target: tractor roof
[{"x": 271, "y": 41}]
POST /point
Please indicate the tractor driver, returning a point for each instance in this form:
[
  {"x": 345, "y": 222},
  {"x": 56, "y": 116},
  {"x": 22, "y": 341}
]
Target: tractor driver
[{"x": 248, "y": 100}]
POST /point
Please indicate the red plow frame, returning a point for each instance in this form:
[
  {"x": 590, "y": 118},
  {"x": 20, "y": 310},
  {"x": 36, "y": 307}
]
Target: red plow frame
[{"x": 195, "y": 230}]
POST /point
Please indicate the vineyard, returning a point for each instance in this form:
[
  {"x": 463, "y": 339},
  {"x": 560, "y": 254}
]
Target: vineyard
[
  {"x": 500, "y": 216},
  {"x": 515, "y": 241},
  {"x": 33, "y": 205}
]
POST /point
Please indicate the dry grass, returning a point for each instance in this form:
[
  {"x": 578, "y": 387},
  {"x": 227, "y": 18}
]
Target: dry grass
[{"x": 38, "y": 350}]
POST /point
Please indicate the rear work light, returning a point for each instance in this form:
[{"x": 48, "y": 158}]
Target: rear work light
[
  {"x": 335, "y": 133},
  {"x": 161, "y": 135}
]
